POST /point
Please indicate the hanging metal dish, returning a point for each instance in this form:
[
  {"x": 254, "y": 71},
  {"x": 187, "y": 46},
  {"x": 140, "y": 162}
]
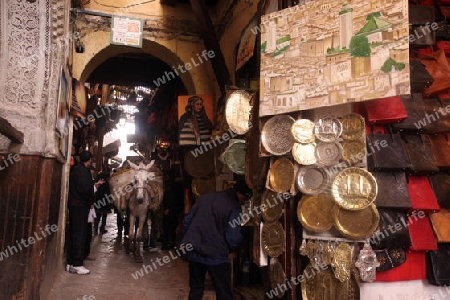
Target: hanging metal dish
[
  {"x": 199, "y": 165},
  {"x": 303, "y": 131},
  {"x": 281, "y": 175},
  {"x": 353, "y": 152},
  {"x": 353, "y": 126},
  {"x": 234, "y": 156},
  {"x": 312, "y": 180},
  {"x": 271, "y": 206},
  {"x": 327, "y": 129},
  {"x": 354, "y": 188},
  {"x": 238, "y": 111},
  {"x": 315, "y": 212},
  {"x": 276, "y": 135},
  {"x": 273, "y": 239},
  {"x": 356, "y": 225},
  {"x": 328, "y": 154},
  {"x": 304, "y": 154}
]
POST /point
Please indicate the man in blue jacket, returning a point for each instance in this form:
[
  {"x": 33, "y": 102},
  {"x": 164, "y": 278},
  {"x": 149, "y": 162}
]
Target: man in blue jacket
[{"x": 213, "y": 228}]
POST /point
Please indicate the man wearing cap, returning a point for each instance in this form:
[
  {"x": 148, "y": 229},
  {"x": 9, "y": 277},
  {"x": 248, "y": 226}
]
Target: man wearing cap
[{"x": 210, "y": 229}]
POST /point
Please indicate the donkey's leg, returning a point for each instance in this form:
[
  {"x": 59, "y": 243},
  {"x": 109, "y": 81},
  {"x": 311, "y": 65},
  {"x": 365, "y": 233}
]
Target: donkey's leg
[
  {"x": 131, "y": 232},
  {"x": 137, "y": 253}
]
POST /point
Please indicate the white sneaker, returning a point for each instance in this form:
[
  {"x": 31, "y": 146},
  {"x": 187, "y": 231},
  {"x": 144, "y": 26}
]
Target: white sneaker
[
  {"x": 68, "y": 267},
  {"x": 79, "y": 270}
]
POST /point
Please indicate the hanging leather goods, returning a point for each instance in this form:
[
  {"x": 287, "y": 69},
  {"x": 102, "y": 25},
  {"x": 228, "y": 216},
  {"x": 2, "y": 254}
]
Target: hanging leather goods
[
  {"x": 419, "y": 150},
  {"x": 415, "y": 109},
  {"x": 440, "y": 144},
  {"x": 421, "y": 194},
  {"x": 420, "y": 231},
  {"x": 438, "y": 268},
  {"x": 392, "y": 190},
  {"x": 421, "y": 19},
  {"x": 441, "y": 223},
  {"x": 440, "y": 183},
  {"x": 385, "y": 110}
]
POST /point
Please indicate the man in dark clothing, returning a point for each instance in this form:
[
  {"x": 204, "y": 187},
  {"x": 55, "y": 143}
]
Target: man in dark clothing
[
  {"x": 102, "y": 203},
  {"x": 81, "y": 199},
  {"x": 213, "y": 228},
  {"x": 172, "y": 207}
]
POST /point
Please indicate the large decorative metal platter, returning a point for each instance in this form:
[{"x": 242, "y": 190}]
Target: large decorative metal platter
[
  {"x": 353, "y": 126},
  {"x": 273, "y": 239},
  {"x": 353, "y": 151},
  {"x": 354, "y": 188},
  {"x": 238, "y": 111},
  {"x": 316, "y": 212},
  {"x": 327, "y": 129},
  {"x": 304, "y": 154},
  {"x": 201, "y": 165},
  {"x": 277, "y": 276},
  {"x": 281, "y": 175},
  {"x": 234, "y": 157},
  {"x": 303, "y": 131},
  {"x": 323, "y": 285},
  {"x": 276, "y": 135},
  {"x": 356, "y": 225},
  {"x": 273, "y": 206},
  {"x": 312, "y": 180},
  {"x": 255, "y": 166},
  {"x": 328, "y": 153}
]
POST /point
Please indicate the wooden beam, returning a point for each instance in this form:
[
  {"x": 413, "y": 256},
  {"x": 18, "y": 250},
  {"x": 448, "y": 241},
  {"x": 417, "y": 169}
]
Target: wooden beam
[
  {"x": 10, "y": 132},
  {"x": 211, "y": 43}
]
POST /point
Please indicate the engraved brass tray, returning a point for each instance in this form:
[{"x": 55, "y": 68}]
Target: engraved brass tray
[
  {"x": 353, "y": 151},
  {"x": 354, "y": 188},
  {"x": 273, "y": 206},
  {"x": 234, "y": 157},
  {"x": 312, "y": 180},
  {"x": 316, "y": 212},
  {"x": 238, "y": 111},
  {"x": 356, "y": 225},
  {"x": 327, "y": 129},
  {"x": 273, "y": 239},
  {"x": 323, "y": 285},
  {"x": 276, "y": 135},
  {"x": 328, "y": 154},
  {"x": 277, "y": 276},
  {"x": 281, "y": 175},
  {"x": 303, "y": 131},
  {"x": 304, "y": 154},
  {"x": 353, "y": 126}
]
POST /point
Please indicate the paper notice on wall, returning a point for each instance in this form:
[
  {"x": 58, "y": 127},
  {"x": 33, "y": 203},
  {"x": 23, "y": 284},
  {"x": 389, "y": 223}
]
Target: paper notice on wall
[{"x": 126, "y": 31}]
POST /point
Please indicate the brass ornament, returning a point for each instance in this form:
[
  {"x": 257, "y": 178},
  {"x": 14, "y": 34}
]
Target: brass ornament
[
  {"x": 281, "y": 175},
  {"x": 234, "y": 156},
  {"x": 273, "y": 239},
  {"x": 304, "y": 154},
  {"x": 353, "y": 126},
  {"x": 238, "y": 111},
  {"x": 276, "y": 136},
  {"x": 201, "y": 165},
  {"x": 342, "y": 262},
  {"x": 271, "y": 206},
  {"x": 353, "y": 151},
  {"x": 303, "y": 131},
  {"x": 327, "y": 129},
  {"x": 354, "y": 188},
  {"x": 356, "y": 224},
  {"x": 277, "y": 276},
  {"x": 315, "y": 212}
]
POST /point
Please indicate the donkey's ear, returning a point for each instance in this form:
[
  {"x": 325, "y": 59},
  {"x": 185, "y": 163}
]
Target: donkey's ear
[
  {"x": 149, "y": 166},
  {"x": 134, "y": 166}
]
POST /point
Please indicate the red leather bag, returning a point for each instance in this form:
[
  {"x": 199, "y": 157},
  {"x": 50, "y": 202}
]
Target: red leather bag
[
  {"x": 443, "y": 45},
  {"x": 414, "y": 268},
  {"x": 385, "y": 110},
  {"x": 421, "y": 194},
  {"x": 420, "y": 231}
]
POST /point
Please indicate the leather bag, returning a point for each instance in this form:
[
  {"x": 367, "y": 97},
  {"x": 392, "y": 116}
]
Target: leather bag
[
  {"x": 386, "y": 152},
  {"x": 385, "y": 110},
  {"x": 440, "y": 183},
  {"x": 392, "y": 190},
  {"x": 390, "y": 258},
  {"x": 420, "y": 154},
  {"x": 421, "y": 194},
  {"x": 415, "y": 109},
  {"x": 420, "y": 78},
  {"x": 414, "y": 268},
  {"x": 437, "y": 119},
  {"x": 439, "y": 68},
  {"x": 392, "y": 229},
  {"x": 441, "y": 224},
  {"x": 438, "y": 268},
  {"x": 421, "y": 232},
  {"x": 440, "y": 144}
]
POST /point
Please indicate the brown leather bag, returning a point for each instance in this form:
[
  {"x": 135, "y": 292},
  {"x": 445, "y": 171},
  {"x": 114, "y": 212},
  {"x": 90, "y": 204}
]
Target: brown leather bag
[
  {"x": 441, "y": 224},
  {"x": 392, "y": 190},
  {"x": 420, "y": 154},
  {"x": 437, "y": 65},
  {"x": 440, "y": 183},
  {"x": 440, "y": 144}
]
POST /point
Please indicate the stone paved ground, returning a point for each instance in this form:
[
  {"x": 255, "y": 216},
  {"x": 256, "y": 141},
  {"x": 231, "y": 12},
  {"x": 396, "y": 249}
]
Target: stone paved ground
[{"x": 111, "y": 278}]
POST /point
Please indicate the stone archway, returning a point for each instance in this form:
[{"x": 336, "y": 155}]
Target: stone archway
[{"x": 173, "y": 53}]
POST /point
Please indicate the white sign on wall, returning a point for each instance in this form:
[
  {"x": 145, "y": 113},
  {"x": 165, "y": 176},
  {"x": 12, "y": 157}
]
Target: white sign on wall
[{"x": 126, "y": 31}]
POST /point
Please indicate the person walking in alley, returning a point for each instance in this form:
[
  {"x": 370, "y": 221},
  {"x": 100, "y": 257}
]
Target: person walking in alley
[
  {"x": 102, "y": 204},
  {"x": 172, "y": 207},
  {"x": 209, "y": 227},
  {"x": 81, "y": 199}
]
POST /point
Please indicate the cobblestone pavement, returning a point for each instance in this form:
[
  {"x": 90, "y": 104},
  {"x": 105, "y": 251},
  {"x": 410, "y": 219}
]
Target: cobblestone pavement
[{"x": 111, "y": 274}]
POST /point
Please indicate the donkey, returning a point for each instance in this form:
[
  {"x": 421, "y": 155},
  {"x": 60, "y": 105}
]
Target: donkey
[{"x": 147, "y": 194}]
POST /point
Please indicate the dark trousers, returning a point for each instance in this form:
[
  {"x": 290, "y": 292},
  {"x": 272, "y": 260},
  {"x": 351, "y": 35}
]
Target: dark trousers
[
  {"x": 88, "y": 240},
  {"x": 100, "y": 215},
  {"x": 220, "y": 276},
  {"x": 170, "y": 223},
  {"x": 78, "y": 227}
]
